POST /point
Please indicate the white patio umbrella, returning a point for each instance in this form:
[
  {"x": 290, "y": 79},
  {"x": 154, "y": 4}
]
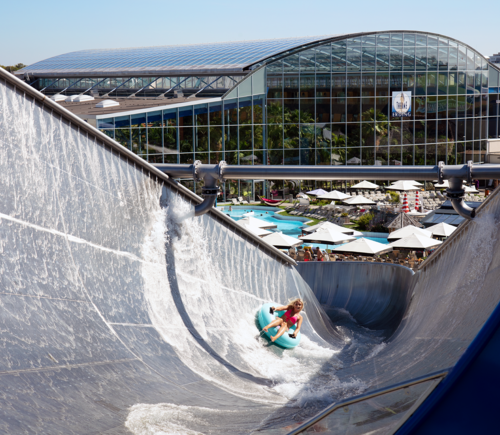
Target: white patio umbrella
[
  {"x": 328, "y": 237},
  {"x": 416, "y": 183},
  {"x": 259, "y": 223},
  {"x": 408, "y": 231},
  {"x": 403, "y": 185},
  {"x": 364, "y": 246},
  {"x": 365, "y": 185},
  {"x": 416, "y": 241},
  {"x": 302, "y": 195},
  {"x": 335, "y": 195},
  {"x": 354, "y": 161},
  {"x": 317, "y": 192},
  {"x": 359, "y": 200},
  {"x": 469, "y": 189},
  {"x": 445, "y": 183},
  {"x": 333, "y": 227},
  {"x": 260, "y": 232},
  {"x": 280, "y": 240},
  {"x": 442, "y": 229}
]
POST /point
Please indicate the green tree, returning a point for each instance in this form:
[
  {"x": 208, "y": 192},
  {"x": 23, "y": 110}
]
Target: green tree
[
  {"x": 365, "y": 220},
  {"x": 13, "y": 68}
]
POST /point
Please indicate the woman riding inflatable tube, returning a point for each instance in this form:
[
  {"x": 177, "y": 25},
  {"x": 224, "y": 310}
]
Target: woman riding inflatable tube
[{"x": 287, "y": 318}]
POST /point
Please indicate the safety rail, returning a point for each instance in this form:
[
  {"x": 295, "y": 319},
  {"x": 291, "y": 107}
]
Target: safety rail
[{"x": 431, "y": 381}]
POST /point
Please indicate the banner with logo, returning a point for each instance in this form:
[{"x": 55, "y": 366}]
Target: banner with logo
[{"x": 401, "y": 104}]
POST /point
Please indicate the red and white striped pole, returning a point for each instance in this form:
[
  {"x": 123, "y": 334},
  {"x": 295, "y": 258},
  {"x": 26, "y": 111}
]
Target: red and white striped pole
[
  {"x": 417, "y": 202},
  {"x": 406, "y": 209}
]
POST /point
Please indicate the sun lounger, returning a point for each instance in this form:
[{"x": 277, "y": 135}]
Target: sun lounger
[
  {"x": 241, "y": 200},
  {"x": 235, "y": 201}
]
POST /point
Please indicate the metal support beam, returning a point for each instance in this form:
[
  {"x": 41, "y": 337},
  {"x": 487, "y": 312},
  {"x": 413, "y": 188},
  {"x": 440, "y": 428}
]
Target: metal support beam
[
  {"x": 53, "y": 83},
  {"x": 173, "y": 87},
  {"x": 92, "y": 87},
  {"x": 70, "y": 86},
  {"x": 144, "y": 87},
  {"x": 455, "y": 173},
  {"x": 194, "y": 95},
  {"x": 119, "y": 86}
]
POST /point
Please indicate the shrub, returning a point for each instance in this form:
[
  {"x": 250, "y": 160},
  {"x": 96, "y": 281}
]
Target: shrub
[
  {"x": 365, "y": 220},
  {"x": 394, "y": 196}
]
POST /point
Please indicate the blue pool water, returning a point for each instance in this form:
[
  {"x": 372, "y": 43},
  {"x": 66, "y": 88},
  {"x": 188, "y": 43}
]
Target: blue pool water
[{"x": 289, "y": 227}]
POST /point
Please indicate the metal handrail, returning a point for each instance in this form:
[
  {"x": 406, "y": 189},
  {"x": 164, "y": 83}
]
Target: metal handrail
[{"x": 332, "y": 408}]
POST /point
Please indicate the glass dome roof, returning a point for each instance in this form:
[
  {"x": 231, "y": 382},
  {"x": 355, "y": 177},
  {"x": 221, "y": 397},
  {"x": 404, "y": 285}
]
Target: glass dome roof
[{"x": 213, "y": 58}]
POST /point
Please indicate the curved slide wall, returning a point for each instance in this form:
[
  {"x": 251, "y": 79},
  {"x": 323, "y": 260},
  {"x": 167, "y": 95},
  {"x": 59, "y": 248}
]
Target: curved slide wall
[{"x": 121, "y": 313}]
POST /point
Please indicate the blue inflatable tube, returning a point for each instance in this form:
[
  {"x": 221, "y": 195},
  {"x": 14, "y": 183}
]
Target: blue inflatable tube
[{"x": 265, "y": 318}]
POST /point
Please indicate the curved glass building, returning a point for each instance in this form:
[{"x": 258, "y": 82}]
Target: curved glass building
[{"x": 378, "y": 98}]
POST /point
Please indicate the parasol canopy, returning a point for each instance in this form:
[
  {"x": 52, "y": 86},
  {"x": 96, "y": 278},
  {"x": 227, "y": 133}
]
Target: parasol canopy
[
  {"x": 333, "y": 227},
  {"x": 327, "y": 236},
  {"x": 403, "y": 185},
  {"x": 335, "y": 195},
  {"x": 259, "y": 223},
  {"x": 416, "y": 241},
  {"x": 365, "y": 185},
  {"x": 280, "y": 240},
  {"x": 364, "y": 246},
  {"x": 442, "y": 229},
  {"x": 317, "y": 192},
  {"x": 260, "y": 232},
  {"x": 359, "y": 200},
  {"x": 408, "y": 231}
]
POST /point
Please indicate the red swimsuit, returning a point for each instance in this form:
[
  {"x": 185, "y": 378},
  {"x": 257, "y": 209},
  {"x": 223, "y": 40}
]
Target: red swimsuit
[{"x": 289, "y": 318}]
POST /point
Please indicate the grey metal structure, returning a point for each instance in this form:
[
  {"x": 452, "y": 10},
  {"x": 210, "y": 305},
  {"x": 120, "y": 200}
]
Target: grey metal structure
[
  {"x": 380, "y": 306},
  {"x": 118, "y": 306},
  {"x": 455, "y": 173}
]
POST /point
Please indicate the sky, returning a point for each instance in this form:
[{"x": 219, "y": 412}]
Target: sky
[{"x": 36, "y": 30}]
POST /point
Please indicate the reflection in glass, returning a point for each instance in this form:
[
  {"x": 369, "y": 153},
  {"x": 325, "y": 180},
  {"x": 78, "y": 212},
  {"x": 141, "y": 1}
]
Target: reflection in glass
[
  {"x": 170, "y": 118},
  {"x": 186, "y": 139},
  {"x": 170, "y": 139},
  {"x": 307, "y": 136},
  {"x": 185, "y": 116}
]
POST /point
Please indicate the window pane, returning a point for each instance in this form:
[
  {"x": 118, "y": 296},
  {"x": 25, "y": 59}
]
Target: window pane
[
  {"x": 245, "y": 137},
  {"x": 307, "y": 136},
  {"x": 185, "y": 116},
  {"x": 291, "y": 136},
  {"x": 154, "y": 119},
  {"x": 170, "y": 139},
  {"x": 186, "y": 139},
  {"x": 215, "y": 113},
  {"x": 275, "y": 136},
  {"x": 216, "y": 139},
  {"x": 231, "y": 138},
  {"x": 170, "y": 118},
  {"x": 201, "y": 114},
  {"x": 258, "y": 110},
  {"x": 245, "y": 115},
  {"x": 230, "y": 113}
]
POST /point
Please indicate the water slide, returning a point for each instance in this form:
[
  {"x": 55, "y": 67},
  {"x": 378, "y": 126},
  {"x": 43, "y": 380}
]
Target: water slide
[{"x": 122, "y": 313}]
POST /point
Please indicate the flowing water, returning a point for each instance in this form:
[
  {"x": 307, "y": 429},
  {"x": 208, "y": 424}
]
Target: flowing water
[{"x": 192, "y": 305}]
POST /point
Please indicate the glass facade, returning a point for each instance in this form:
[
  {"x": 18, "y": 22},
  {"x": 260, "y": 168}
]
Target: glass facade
[
  {"x": 149, "y": 86},
  {"x": 333, "y": 105}
]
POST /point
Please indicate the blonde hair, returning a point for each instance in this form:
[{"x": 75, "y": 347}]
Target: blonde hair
[{"x": 291, "y": 303}]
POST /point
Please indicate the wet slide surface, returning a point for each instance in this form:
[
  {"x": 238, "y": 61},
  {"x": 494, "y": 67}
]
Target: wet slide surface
[{"x": 122, "y": 313}]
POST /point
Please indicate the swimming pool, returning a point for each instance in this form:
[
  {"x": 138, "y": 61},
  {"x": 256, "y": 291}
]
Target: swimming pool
[{"x": 286, "y": 225}]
